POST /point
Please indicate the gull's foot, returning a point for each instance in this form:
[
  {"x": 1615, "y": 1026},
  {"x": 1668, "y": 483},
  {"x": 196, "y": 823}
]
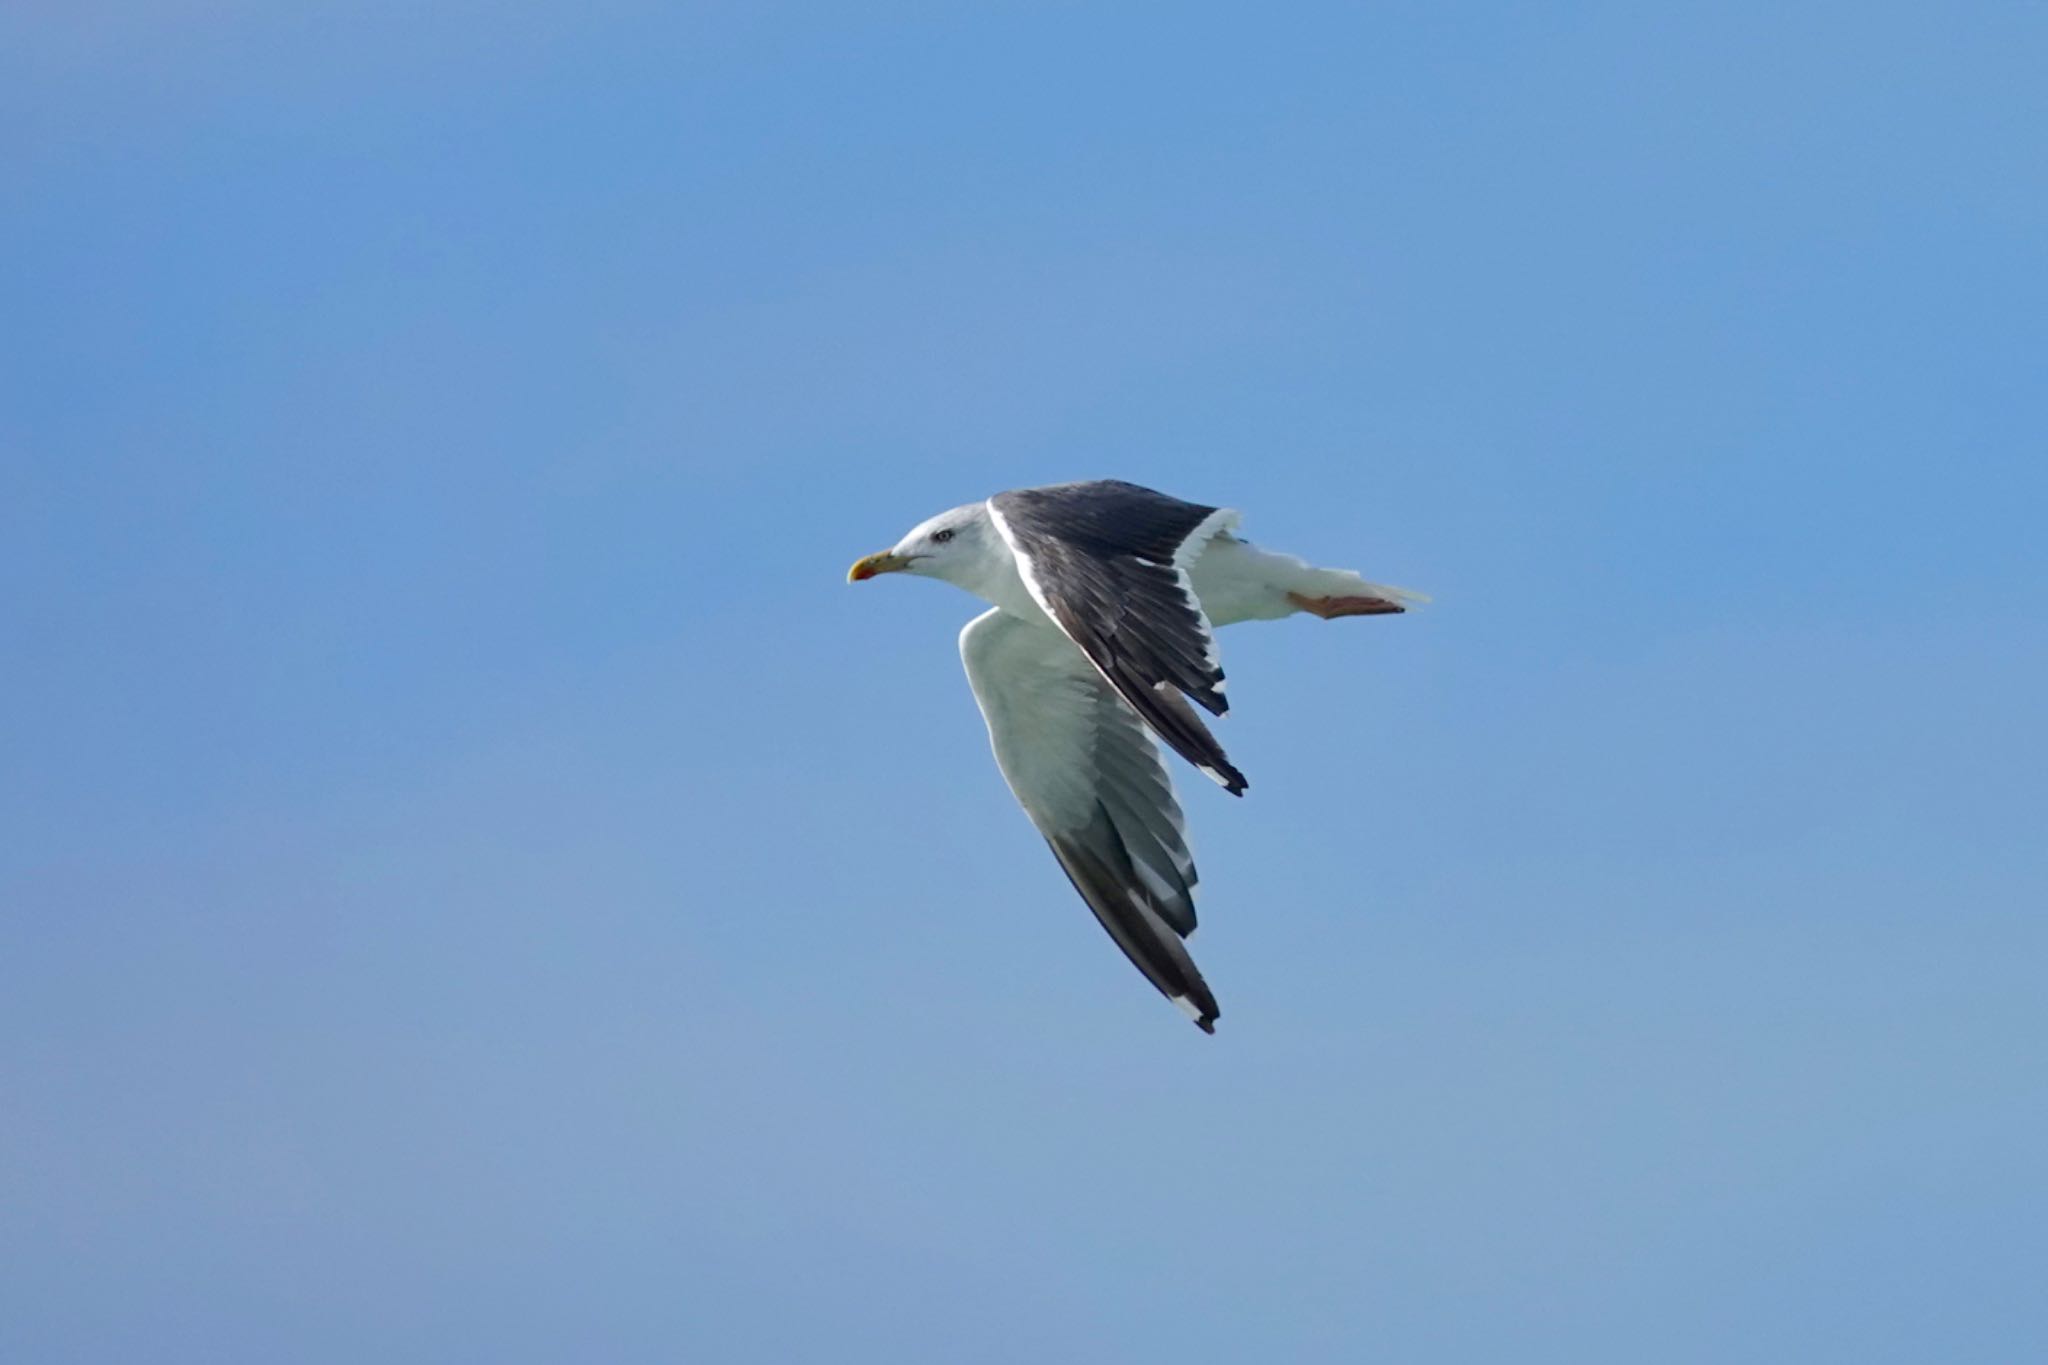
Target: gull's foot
[{"x": 1330, "y": 608}]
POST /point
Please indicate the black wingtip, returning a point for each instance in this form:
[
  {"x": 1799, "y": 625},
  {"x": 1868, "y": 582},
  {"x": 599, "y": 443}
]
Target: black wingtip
[
  {"x": 1207, "y": 1024},
  {"x": 1224, "y": 774},
  {"x": 1220, "y": 770}
]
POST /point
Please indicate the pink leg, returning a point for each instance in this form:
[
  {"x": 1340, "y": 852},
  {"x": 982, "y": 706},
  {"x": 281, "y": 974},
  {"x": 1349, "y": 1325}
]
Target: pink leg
[{"x": 1330, "y": 608}]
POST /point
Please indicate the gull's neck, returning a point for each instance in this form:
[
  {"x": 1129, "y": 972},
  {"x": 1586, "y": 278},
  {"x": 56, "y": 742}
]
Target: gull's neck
[{"x": 991, "y": 572}]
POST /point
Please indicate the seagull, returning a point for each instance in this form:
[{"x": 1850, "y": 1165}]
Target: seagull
[{"x": 1104, "y": 597}]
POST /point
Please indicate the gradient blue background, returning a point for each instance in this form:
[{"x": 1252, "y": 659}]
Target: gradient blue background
[{"x": 476, "y": 885}]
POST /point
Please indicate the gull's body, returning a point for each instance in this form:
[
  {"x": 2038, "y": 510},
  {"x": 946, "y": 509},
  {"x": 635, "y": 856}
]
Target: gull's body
[{"x": 1103, "y": 597}]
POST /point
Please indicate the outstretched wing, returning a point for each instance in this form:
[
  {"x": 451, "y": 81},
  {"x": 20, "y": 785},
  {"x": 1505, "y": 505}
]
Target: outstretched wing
[
  {"x": 1090, "y": 778},
  {"x": 1108, "y": 561}
]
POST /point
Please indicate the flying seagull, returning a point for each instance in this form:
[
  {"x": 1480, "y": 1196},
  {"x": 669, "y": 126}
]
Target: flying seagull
[{"x": 1104, "y": 596}]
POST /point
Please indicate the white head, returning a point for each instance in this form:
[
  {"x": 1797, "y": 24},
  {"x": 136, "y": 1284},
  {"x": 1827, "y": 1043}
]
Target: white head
[{"x": 960, "y": 546}]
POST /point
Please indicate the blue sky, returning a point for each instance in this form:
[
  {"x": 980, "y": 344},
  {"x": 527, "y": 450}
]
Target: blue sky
[{"x": 477, "y": 885}]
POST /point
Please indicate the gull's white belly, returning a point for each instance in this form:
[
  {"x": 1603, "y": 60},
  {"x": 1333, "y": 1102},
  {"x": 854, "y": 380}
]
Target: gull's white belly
[{"x": 1237, "y": 581}]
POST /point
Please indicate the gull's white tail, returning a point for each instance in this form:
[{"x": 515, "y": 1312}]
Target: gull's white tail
[{"x": 1344, "y": 583}]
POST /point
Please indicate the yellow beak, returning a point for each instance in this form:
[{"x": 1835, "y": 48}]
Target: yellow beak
[{"x": 888, "y": 561}]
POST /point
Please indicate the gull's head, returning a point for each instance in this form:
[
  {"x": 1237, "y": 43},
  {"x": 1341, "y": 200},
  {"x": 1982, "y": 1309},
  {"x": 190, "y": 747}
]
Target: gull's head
[{"x": 952, "y": 545}]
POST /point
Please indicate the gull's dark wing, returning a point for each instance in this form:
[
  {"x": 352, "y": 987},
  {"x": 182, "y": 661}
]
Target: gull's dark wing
[
  {"x": 1089, "y": 776},
  {"x": 1108, "y": 561}
]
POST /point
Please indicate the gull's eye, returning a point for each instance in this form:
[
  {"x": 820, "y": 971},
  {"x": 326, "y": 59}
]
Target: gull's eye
[{"x": 941, "y": 537}]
